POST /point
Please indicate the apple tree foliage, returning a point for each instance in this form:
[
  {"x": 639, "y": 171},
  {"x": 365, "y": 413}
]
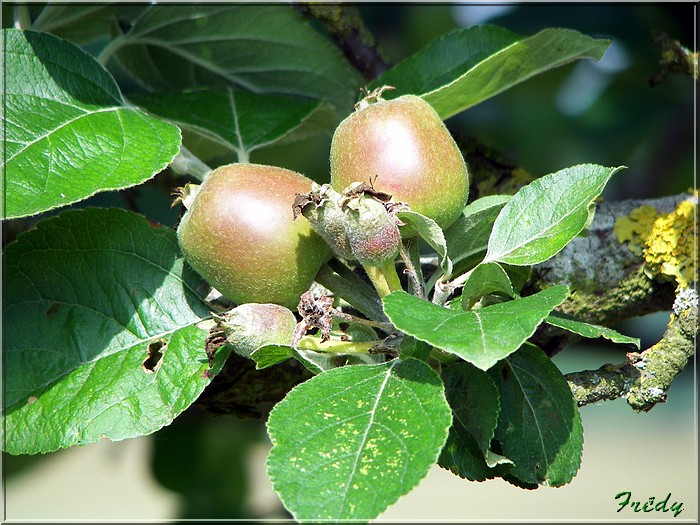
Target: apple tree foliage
[{"x": 103, "y": 319}]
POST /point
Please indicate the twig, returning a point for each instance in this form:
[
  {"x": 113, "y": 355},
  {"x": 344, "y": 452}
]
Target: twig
[
  {"x": 387, "y": 327},
  {"x": 645, "y": 378},
  {"x": 357, "y": 43},
  {"x": 186, "y": 163},
  {"x": 675, "y": 59},
  {"x": 414, "y": 279}
]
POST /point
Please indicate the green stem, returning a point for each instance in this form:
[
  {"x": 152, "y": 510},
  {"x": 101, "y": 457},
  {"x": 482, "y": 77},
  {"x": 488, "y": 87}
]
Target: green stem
[
  {"x": 22, "y": 17},
  {"x": 109, "y": 50},
  {"x": 339, "y": 347},
  {"x": 343, "y": 283},
  {"x": 186, "y": 163},
  {"x": 387, "y": 327},
  {"x": 415, "y": 276},
  {"x": 384, "y": 278},
  {"x": 392, "y": 278}
]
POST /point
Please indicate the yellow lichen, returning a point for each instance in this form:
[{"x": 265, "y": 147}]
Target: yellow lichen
[
  {"x": 496, "y": 185},
  {"x": 635, "y": 229},
  {"x": 666, "y": 241}
]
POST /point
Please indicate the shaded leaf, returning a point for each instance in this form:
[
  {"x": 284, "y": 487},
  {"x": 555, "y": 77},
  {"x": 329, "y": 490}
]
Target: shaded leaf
[
  {"x": 261, "y": 48},
  {"x": 485, "y": 279},
  {"x": 84, "y": 287},
  {"x": 481, "y": 337},
  {"x": 349, "y": 442},
  {"x": 67, "y": 131},
  {"x": 240, "y": 120},
  {"x": 431, "y": 233},
  {"x": 546, "y": 215},
  {"x": 469, "y": 235},
  {"x": 83, "y": 23},
  {"x": 445, "y": 59},
  {"x": 591, "y": 331},
  {"x": 473, "y": 397},
  {"x": 414, "y": 348},
  {"x": 539, "y": 424}
]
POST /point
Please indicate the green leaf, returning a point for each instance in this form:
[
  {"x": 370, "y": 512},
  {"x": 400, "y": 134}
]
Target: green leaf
[
  {"x": 546, "y": 215},
  {"x": 67, "y": 131},
  {"x": 86, "y": 293},
  {"x": 445, "y": 59},
  {"x": 414, "y": 348},
  {"x": 261, "y": 48},
  {"x": 269, "y": 355},
  {"x": 464, "y": 68},
  {"x": 349, "y": 442},
  {"x": 539, "y": 424},
  {"x": 481, "y": 337},
  {"x": 115, "y": 397},
  {"x": 83, "y": 23},
  {"x": 431, "y": 233},
  {"x": 240, "y": 120},
  {"x": 485, "y": 279},
  {"x": 469, "y": 235},
  {"x": 591, "y": 331},
  {"x": 473, "y": 397}
]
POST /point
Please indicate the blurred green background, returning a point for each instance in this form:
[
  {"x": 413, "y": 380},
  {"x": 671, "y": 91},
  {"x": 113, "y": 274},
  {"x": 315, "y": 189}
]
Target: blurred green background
[{"x": 204, "y": 466}]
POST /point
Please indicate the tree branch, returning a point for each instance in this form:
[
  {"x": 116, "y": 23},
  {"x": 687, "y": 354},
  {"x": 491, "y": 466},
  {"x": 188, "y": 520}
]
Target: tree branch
[
  {"x": 611, "y": 283},
  {"x": 357, "y": 43},
  {"x": 675, "y": 59},
  {"x": 608, "y": 280},
  {"x": 643, "y": 380}
]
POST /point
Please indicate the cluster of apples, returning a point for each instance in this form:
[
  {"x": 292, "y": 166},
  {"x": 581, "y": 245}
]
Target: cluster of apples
[{"x": 241, "y": 233}]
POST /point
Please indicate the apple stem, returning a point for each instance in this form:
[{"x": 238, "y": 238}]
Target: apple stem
[
  {"x": 387, "y": 327},
  {"x": 341, "y": 347},
  {"x": 343, "y": 283},
  {"x": 414, "y": 278},
  {"x": 384, "y": 278}
]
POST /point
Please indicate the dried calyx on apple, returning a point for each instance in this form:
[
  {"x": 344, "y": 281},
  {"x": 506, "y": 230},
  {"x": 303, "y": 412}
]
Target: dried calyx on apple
[{"x": 355, "y": 223}]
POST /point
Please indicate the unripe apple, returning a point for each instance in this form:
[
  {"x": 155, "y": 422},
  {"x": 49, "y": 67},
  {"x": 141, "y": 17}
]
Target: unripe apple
[
  {"x": 240, "y": 235},
  {"x": 252, "y": 325},
  {"x": 405, "y": 150}
]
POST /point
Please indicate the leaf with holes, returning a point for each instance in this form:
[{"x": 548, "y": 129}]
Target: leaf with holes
[
  {"x": 349, "y": 442},
  {"x": 481, "y": 337},
  {"x": 86, "y": 295},
  {"x": 67, "y": 131},
  {"x": 240, "y": 120}
]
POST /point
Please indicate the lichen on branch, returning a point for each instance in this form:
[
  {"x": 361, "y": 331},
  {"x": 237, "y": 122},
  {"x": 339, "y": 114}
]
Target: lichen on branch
[
  {"x": 644, "y": 379},
  {"x": 648, "y": 264}
]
